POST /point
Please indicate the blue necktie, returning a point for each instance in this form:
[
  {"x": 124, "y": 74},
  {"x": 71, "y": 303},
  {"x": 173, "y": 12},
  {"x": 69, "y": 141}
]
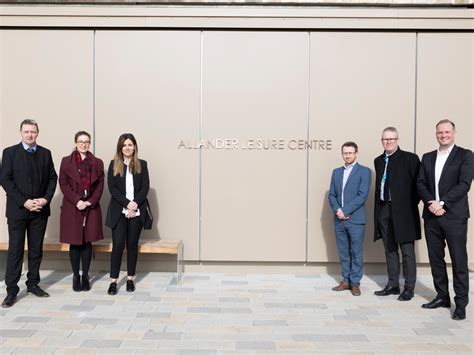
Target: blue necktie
[{"x": 30, "y": 150}]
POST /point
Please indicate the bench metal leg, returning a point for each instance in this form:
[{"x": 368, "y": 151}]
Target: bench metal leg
[{"x": 179, "y": 263}]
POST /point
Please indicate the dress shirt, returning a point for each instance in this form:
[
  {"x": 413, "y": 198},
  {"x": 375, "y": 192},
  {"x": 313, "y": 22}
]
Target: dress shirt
[
  {"x": 347, "y": 172},
  {"x": 440, "y": 161},
  {"x": 384, "y": 177},
  {"x": 27, "y": 148}
]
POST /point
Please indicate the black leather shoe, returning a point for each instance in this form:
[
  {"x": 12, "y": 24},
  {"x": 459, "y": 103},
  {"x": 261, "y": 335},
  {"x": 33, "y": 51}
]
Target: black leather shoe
[
  {"x": 130, "y": 286},
  {"x": 86, "y": 286},
  {"x": 38, "y": 291},
  {"x": 388, "y": 291},
  {"x": 9, "y": 300},
  {"x": 459, "y": 313},
  {"x": 406, "y": 295},
  {"x": 76, "y": 283},
  {"x": 112, "y": 289},
  {"x": 436, "y": 303}
]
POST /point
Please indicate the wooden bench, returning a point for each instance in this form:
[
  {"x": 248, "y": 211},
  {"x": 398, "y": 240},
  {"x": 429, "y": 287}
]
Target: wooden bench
[{"x": 105, "y": 246}]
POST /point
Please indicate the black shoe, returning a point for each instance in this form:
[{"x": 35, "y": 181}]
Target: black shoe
[
  {"x": 436, "y": 303},
  {"x": 37, "y": 291},
  {"x": 459, "y": 313},
  {"x": 130, "y": 286},
  {"x": 112, "y": 289},
  {"x": 76, "y": 283},
  {"x": 86, "y": 286},
  {"x": 406, "y": 295},
  {"x": 388, "y": 291},
  {"x": 9, "y": 300}
]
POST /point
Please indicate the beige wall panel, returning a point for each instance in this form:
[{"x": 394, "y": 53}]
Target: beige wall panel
[
  {"x": 48, "y": 76},
  {"x": 254, "y": 201},
  {"x": 445, "y": 90},
  {"x": 148, "y": 83},
  {"x": 360, "y": 84}
]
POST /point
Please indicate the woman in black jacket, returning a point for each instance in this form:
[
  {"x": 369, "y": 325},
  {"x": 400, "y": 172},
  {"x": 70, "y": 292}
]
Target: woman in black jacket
[{"x": 128, "y": 183}]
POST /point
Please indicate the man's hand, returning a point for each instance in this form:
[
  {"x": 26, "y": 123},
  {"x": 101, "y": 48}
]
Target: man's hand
[
  {"x": 33, "y": 205},
  {"x": 341, "y": 215},
  {"x": 435, "y": 207}
]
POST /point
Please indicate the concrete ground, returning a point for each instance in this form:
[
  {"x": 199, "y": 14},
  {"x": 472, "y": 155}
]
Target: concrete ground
[{"x": 228, "y": 313}]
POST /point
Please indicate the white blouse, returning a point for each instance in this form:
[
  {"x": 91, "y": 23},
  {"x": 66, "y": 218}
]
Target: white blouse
[{"x": 129, "y": 190}]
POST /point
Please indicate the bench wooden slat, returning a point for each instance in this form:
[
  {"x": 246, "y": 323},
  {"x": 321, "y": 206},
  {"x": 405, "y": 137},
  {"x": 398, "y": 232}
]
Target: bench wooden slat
[{"x": 104, "y": 246}]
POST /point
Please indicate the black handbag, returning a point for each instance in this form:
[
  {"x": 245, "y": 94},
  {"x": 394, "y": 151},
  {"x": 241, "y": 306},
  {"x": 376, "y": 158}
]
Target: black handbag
[{"x": 148, "y": 223}]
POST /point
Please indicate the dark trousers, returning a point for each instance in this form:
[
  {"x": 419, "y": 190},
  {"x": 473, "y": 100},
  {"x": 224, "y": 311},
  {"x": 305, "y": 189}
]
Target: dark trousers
[
  {"x": 34, "y": 227},
  {"x": 127, "y": 231},
  {"x": 439, "y": 231},
  {"x": 76, "y": 254},
  {"x": 391, "y": 247}
]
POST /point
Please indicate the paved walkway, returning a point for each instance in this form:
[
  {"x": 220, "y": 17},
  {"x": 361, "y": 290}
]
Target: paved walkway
[{"x": 217, "y": 313}]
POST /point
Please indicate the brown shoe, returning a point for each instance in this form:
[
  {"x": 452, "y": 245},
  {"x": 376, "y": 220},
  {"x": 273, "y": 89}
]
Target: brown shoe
[
  {"x": 342, "y": 286},
  {"x": 355, "y": 290}
]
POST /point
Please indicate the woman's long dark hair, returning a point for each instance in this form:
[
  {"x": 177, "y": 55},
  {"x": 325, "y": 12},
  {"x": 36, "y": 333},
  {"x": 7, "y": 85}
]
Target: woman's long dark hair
[{"x": 134, "y": 165}]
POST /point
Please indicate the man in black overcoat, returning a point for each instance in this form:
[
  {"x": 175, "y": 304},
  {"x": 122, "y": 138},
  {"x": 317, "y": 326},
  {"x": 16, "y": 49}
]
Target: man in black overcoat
[
  {"x": 396, "y": 216},
  {"x": 29, "y": 179}
]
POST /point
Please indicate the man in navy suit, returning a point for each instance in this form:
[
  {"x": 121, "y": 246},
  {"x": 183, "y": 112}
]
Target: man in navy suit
[
  {"x": 443, "y": 183},
  {"x": 29, "y": 179},
  {"x": 348, "y": 193}
]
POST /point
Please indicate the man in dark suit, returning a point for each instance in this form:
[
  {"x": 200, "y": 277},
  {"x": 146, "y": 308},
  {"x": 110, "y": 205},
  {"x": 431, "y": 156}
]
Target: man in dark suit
[
  {"x": 29, "y": 179},
  {"x": 445, "y": 178},
  {"x": 350, "y": 185},
  {"x": 396, "y": 216}
]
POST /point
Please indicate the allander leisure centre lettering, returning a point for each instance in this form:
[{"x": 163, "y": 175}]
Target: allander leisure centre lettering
[{"x": 257, "y": 144}]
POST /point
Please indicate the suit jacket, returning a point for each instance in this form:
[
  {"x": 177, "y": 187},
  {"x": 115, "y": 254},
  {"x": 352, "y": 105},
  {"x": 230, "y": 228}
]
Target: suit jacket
[
  {"x": 117, "y": 189},
  {"x": 454, "y": 184},
  {"x": 402, "y": 173},
  {"x": 356, "y": 192},
  {"x": 17, "y": 180},
  {"x": 72, "y": 219}
]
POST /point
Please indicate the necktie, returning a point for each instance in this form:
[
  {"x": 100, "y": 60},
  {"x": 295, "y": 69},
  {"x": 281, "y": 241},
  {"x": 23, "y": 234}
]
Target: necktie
[
  {"x": 385, "y": 181},
  {"x": 30, "y": 150}
]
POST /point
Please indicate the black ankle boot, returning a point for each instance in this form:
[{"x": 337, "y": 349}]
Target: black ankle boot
[
  {"x": 76, "y": 283},
  {"x": 86, "y": 286}
]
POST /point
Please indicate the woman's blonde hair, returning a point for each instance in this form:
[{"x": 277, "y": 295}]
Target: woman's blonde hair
[{"x": 134, "y": 165}]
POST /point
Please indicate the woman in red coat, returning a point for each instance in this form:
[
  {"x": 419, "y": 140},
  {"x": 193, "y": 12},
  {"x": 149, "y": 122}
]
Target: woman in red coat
[{"x": 81, "y": 178}]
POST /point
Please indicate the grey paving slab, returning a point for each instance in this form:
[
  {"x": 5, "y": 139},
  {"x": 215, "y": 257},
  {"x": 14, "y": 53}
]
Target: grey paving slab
[
  {"x": 98, "y": 321},
  {"x": 153, "y": 314},
  {"x": 273, "y": 323},
  {"x": 27, "y": 319},
  {"x": 77, "y": 308},
  {"x": 234, "y": 299},
  {"x": 334, "y": 338},
  {"x": 162, "y": 335},
  {"x": 16, "y": 333},
  {"x": 433, "y": 331},
  {"x": 255, "y": 345},
  {"x": 101, "y": 343},
  {"x": 97, "y": 303}
]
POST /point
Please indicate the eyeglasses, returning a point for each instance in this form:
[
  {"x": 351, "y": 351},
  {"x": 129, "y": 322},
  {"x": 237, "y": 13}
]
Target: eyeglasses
[
  {"x": 389, "y": 140},
  {"x": 83, "y": 142}
]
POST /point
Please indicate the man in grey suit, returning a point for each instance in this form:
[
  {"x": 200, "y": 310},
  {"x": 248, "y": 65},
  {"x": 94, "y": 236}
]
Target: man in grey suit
[{"x": 348, "y": 193}]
